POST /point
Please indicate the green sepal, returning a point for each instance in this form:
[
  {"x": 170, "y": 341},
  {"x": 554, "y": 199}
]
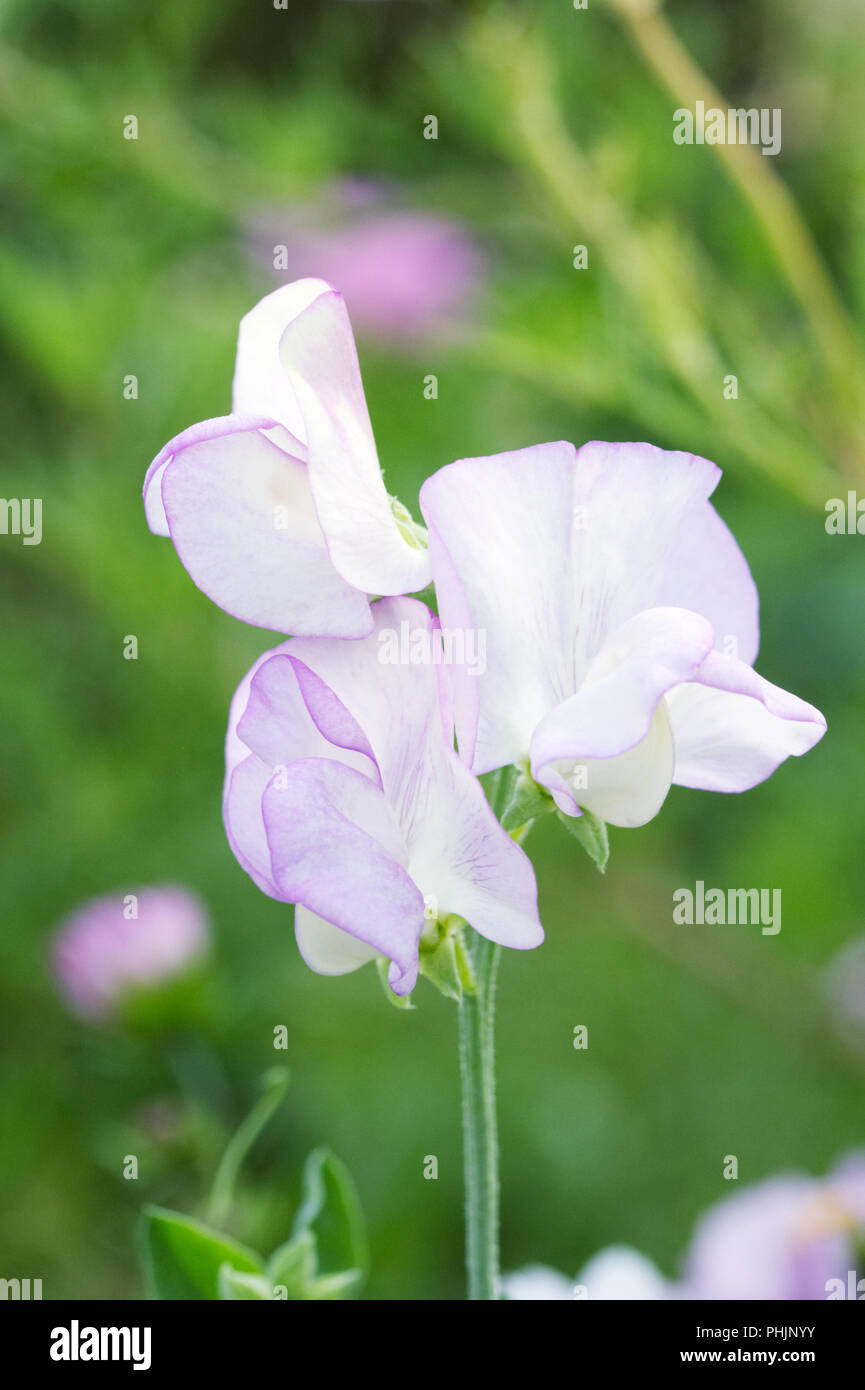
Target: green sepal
[
  {"x": 528, "y": 800},
  {"x": 293, "y": 1265},
  {"x": 447, "y": 964},
  {"x": 591, "y": 832},
  {"x": 236, "y": 1287},
  {"x": 182, "y": 1257},
  {"x": 399, "y": 1001}
]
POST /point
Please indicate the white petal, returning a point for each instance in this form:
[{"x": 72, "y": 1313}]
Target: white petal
[{"x": 325, "y": 948}]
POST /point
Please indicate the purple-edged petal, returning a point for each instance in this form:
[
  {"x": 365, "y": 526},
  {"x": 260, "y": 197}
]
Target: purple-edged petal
[
  {"x": 609, "y": 749},
  {"x": 245, "y": 785},
  {"x": 399, "y": 707},
  {"x": 154, "y": 508},
  {"x": 241, "y": 516},
  {"x": 549, "y": 550},
  {"x": 336, "y": 847},
  {"x": 732, "y": 728},
  {"x": 320, "y": 360},
  {"x": 628, "y": 789},
  {"x": 325, "y": 948},
  {"x": 290, "y": 713}
]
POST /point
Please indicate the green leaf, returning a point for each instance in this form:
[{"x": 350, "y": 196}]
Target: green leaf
[
  {"x": 331, "y": 1212},
  {"x": 182, "y": 1258},
  {"x": 235, "y": 1287},
  {"x": 399, "y": 1001},
  {"x": 526, "y": 803},
  {"x": 591, "y": 832},
  {"x": 293, "y": 1265}
]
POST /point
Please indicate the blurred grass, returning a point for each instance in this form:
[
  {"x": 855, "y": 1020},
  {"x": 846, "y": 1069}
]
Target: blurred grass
[{"x": 122, "y": 257}]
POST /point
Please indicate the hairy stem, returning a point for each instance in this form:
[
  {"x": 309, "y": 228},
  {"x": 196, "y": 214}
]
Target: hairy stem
[{"x": 480, "y": 1138}]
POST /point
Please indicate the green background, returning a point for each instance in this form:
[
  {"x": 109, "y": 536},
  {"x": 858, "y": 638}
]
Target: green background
[{"x": 128, "y": 257}]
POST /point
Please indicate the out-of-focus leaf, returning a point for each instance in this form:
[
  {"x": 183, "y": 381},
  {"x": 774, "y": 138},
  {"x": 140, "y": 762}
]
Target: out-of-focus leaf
[{"x": 182, "y": 1258}]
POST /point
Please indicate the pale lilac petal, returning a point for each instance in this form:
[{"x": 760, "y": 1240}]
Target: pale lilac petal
[
  {"x": 245, "y": 786},
  {"x": 732, "y": 728},
  {"x": 336, "y": 848},
  {"x": 609, "y": 748},
  {"x": 318, "y": 353},
  {"x": 460, "y": 856},
  {"x": 154, "y": 508},
  {"x": 291, "y": 714},
  {"x": 326, "y": 949},
  {"x": 261, "y": 385},
  {"x": 612, "y": 710},
  {"x": 399, "y": 707},
  {"x": 551, "y": 549},
  {"x": 242, "y": 519},
  {"x": 650, "y": 538},
  {"x": 500, "y": 531}
]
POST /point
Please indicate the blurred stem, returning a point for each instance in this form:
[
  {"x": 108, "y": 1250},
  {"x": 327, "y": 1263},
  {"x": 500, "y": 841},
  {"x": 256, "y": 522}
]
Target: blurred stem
[
  {"x": 238, "y": 1146},
  {"x": 518, "y": 64},
  {"x": 770, "y": 200},
  {"x": 480, "y": 1138}
]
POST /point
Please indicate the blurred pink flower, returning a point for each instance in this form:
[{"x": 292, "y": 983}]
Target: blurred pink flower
[
  {"x": 401, "y": 272},
  {"x": 120, "y": 942},
  {"x": 789, "y": 1237}
]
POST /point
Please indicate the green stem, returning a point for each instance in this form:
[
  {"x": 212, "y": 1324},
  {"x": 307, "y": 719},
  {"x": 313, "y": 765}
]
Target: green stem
[
  {"x": 480, "y": 1139},
  {"x": 222, "y": 1192}
]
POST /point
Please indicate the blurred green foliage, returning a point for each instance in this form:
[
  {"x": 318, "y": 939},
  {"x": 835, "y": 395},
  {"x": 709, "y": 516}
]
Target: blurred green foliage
[{"x": 127, "y": 257}]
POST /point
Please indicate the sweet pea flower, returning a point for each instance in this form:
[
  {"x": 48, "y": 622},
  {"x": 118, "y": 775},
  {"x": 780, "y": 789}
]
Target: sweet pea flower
[
  {"x": 119, "y": 943},
  {"x": 790, "y": 1237},
  {"x": 279, "y": 511},
  {"x": 343, "y": 795},
  {"x": 621, "y": 627},
  {"x": 403, "y": 273}
]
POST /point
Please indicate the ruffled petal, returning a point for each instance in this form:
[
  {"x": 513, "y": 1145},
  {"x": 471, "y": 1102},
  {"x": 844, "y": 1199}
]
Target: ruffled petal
[
  {"x": 627, "y": 790},
  {"x": 318, "y": 355},
  {"x": 732, "y": 728},
  {"x": 154, "y": 508},
  {"x": 608, "y": 749},
  {"x": 290, "y": 713},
  {"x": 550, "y": 549},
  {"x": 241, "y": 516}
]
